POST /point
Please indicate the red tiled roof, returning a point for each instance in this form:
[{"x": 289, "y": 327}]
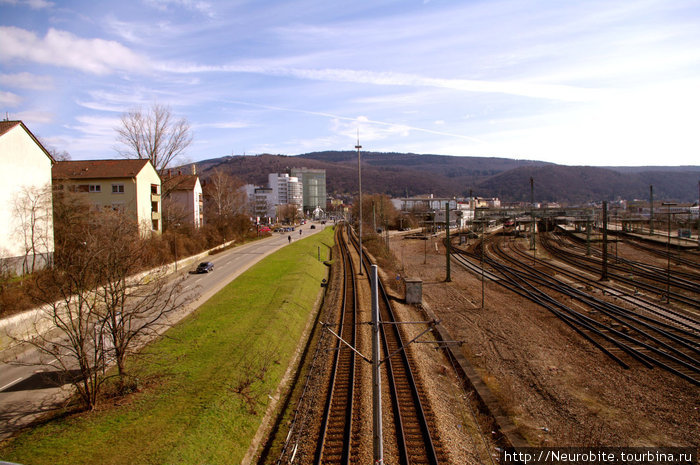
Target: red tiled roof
[
  {"x": 5, "y": 126},
  {"x": 180, "y": 182},
  {"x": 97, "y": 169}
]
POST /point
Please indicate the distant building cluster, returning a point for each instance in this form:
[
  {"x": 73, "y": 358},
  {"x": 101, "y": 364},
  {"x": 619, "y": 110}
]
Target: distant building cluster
[{"x": 289, "y": 195}]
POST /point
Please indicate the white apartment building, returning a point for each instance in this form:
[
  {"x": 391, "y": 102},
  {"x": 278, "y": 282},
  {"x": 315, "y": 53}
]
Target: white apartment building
[
  {"x": 286, "y": 189},
  {"x": 26, "y": 209}
]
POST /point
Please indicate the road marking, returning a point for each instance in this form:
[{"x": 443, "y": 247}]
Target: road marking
[{"x": 11, "y": 384}]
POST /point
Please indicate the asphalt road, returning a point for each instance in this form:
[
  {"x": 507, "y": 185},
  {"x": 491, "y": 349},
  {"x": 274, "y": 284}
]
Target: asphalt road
[{"x": 30, "y": 387}]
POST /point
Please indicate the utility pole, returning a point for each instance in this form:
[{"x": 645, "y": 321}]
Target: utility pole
[
  {"x": 668, "y": 206},
  {"x": 532, "y": 213},
  {"x": 471, "y": 220},
  {"x": 359, "y": 183},
  {"x": 604, "y": 275},
  {"x": 447, "y": 242},
  {"x": 378, "y": 440},
  {"x": 483, "y": 264},
  {"x": 374, "y": 217},
  {"x": 588, "y": 234},
  {"x": 651, "y": 210}
]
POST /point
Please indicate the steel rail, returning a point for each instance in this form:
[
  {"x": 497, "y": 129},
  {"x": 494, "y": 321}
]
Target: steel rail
[
  {"x": 527, "y": 275},
  {"x": 685, "y": 321},
  {"x": 399, "y": 370},
  {"x": 613, "y": 311},
  {"x": 340, "y": 394},
  {"x": 593, "y": 266}
]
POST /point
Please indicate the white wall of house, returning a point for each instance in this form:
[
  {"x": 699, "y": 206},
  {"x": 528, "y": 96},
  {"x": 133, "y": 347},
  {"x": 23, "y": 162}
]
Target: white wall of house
[
  {"x": 24, "y": 167},
  {"x": 189, "y": 201},
  {"x": 148, "y": 204}
]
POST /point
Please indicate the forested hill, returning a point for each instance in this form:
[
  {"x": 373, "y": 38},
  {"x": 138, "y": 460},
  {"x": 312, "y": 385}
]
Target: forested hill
[{"x": 509, "y": 179}]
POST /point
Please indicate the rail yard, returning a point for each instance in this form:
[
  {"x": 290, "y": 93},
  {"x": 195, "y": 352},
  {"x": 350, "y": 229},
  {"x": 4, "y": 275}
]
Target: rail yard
[{"x": 569, "y": 358}]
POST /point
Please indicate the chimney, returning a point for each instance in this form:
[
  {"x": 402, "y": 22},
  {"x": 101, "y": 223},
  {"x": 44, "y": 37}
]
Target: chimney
[{"x": 194, "y": 168}]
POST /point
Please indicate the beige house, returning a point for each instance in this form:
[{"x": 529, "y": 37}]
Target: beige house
[
  {"x": 183, "y": 201},
  {"x": 129, "y": 186},
  {"x": 26, "y": 212}
]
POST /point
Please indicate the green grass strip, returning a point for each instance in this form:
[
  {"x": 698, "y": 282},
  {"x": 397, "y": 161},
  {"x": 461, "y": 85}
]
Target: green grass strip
[{"x": 208, "y": 382}]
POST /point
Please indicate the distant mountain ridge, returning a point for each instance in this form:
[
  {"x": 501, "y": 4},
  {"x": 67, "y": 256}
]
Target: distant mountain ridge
[{"x": 398, "y": 174}]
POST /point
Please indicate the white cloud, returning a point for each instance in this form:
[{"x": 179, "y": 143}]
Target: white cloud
[
  {"x": 32, "y": 117},
  {"x": 27, "y": 81},
  {"x": 202, "y": 7},
  {"x": 33, "y": 4},
  {"x": 102, "y": 126},
  {"x": 520, "y": 88},
  {"x": 64, "y": 49},
  {"x": 225, "y": 125},
  {"x": 9, "y": 99}
]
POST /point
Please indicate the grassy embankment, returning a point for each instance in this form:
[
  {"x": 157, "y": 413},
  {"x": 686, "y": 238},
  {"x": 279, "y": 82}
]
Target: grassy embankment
[{"x": 206, "y": 384}]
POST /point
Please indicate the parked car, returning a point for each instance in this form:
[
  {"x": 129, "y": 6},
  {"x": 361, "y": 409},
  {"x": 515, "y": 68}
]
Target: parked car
[{"x": 205, "y": 267}]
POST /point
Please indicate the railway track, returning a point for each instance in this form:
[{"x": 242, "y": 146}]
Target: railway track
[
  {"x": 662, "y": 252},
  {"x": 666, "y": 341},
  {"x": 414, "y": 440},
  {"x": 639, "y": 275},
  {"x": 340, "y": 421}
]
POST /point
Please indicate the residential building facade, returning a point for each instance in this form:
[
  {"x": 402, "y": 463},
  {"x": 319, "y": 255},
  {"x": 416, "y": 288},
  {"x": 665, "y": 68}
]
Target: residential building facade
[
  {"x": 183, "y": 201},
  {"x": 130, "y": 186},
  {"x": 26, "y": 211}
]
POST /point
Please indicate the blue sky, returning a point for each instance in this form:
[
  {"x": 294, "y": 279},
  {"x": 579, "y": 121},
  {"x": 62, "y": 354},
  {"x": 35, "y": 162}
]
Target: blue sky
[{"x": 572, "y": 82}]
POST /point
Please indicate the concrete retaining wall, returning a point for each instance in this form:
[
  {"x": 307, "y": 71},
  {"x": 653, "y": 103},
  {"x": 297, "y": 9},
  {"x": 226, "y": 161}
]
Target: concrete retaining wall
[{"x": 38, "y": 321}]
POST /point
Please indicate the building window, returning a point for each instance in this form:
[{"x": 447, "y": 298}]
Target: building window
[
  {"x": 117, "y": 188},
  {"x": 95, "y": 188},
  {"x": 154, "y": 207},
  {"x": 154, "y": 189},
  {"x": 155, "y": 225}
]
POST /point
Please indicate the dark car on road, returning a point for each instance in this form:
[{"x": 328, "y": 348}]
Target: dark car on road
[{"x": 205, "y": 267}]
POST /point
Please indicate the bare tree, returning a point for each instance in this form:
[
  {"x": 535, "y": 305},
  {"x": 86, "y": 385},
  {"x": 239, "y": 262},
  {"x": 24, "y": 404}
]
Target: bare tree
[
  {"x": 57, "y": 155},
  {"x": 34, "y": 214},
  {"x": 174, "y": 214},
  {"x": 78, "y": 348},
  {"x": 154, "y": 134},
  {"x": 131, "y": 308},
  {"x": 288, "y": 212},
  {"x": 104, "y": 309},
  {"x": 224, "y": 195}
]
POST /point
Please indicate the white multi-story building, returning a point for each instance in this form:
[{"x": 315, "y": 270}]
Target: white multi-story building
[
  {"x": 286, "y": 189},
  {"x": 26, "y": 211}
]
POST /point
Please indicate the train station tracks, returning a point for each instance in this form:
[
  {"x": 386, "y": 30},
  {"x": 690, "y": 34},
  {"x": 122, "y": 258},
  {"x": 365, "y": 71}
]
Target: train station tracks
[{"x": 626, "y": 325}]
